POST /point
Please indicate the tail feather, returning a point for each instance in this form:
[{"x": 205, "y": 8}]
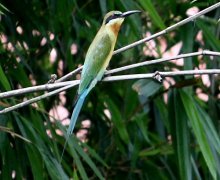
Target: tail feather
[
  {"x": 76, "y": 111},
  {"x": 74, "y": 117}
]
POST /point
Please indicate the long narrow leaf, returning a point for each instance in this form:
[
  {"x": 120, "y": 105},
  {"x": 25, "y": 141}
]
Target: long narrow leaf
[
  {"x": 199, "y": 132},
  {"x": 117, "y": 120},
  {"x": 182, "y": 138},
  {"x": 149, "y": 7},
  {"x": 3, "y": 80},
  {"x": 87, "y": 159}
]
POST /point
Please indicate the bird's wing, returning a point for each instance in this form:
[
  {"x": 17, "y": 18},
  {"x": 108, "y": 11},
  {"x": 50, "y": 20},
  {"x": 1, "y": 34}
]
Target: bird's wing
[{"x": 97, "y": 59}]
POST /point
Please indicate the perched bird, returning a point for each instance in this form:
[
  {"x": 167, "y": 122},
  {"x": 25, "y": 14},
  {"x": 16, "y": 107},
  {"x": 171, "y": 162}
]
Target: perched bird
[{"x": 97, "y": 59}]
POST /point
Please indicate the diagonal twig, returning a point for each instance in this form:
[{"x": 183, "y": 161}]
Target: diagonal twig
[
  {"x": 205, "y": 52},
  {"x": 113, "y": 78},
  {"x": 171, "y": 28},
  {"x": 45, "y": 87},
  {"x": 59, "y": 84},
  {"x": 69, "y": 75},
  {"x": 191, "y": 18},
  {"x": 38, "y": 98}
]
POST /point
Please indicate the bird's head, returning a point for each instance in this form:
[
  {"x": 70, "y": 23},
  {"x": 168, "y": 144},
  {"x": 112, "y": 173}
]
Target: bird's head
[{"x": 114, "y": 19}]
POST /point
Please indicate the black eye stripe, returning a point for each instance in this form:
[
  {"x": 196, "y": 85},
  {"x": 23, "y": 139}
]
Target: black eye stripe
[{"x": 114, "y": 16}]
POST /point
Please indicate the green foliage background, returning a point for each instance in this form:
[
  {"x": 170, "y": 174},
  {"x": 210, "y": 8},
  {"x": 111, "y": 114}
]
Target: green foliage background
[{"x": 145, "y": 138}]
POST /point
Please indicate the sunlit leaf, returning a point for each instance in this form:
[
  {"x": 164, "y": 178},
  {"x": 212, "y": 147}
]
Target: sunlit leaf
[{"x": 199, "y": 129}]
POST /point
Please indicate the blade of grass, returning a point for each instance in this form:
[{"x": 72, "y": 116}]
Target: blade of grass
[
  {"x": 182, "y": 138},
  {"x": 54, "y": 168},
  {"x": 117, "y": 120},
  {"x": 199, "y": 131},
  {"x": 86, "y": 158},
  {"x": 95, "y": 155},
  {"x": 4, "y": 81},
  {"x": 209, "y": 35},
  {"x": 149, "y": 7}
]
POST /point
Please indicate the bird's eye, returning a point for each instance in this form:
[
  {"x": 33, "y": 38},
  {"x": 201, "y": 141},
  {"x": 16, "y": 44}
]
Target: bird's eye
[
  {"x": 114, "y": 16},
  {"x": 109, "y": 19}
]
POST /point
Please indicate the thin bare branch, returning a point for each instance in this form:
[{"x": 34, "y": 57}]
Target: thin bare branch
[
  {"x": 191, "y": 18},
  {"x": 59, "y": 84},
  {"x": 163, "y": 74},
  {"x": 205, "y": 52},
  {"x": 69, "y": 84},
  {"x": 33, "y": 100},
  {"x": 113, "y": 78},
  {"x": 45, "y": 87},
  {"x": 69, "y": 75}
]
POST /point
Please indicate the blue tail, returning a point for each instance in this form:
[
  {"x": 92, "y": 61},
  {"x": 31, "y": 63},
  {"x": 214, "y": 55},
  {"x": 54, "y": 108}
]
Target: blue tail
[
  {"x": 76, "y": 111},
  {"x": 74, "y": 116}
]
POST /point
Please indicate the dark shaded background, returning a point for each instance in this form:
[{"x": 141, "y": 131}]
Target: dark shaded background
[{"x": 152, "y": 132}]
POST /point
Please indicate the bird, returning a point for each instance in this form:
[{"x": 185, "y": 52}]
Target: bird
[{"x": 97, "y": 59}]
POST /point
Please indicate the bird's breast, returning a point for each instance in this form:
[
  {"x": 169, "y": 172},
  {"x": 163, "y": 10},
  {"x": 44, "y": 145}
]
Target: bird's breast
[{"x": 115, "y": 28}]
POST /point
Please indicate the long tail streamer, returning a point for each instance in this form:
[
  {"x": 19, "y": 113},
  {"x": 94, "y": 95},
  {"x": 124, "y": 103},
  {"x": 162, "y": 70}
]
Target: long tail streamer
[{"x": 74, "y": 117}]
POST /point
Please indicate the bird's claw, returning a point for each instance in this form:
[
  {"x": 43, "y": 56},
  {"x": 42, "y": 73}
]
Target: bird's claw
[
  {"x": 157, "y": 76},
  {"x": 53, "y": 78}
]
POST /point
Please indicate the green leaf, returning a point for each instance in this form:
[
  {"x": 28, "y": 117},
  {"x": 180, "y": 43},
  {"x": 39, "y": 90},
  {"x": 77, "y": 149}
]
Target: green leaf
[
  {"x": 79, "y": 163},
  {"x": 196, "y": 122},
  {"x": 117, "y": 120},
  {"x": 20, "y": 75},
  {"x": 141, "y": 121},
  {"x": 146, "y": 87},
  {"x": 4, "y": 81},
  {"x": 210, "y": 129},
  {"x": 35, "y": 162},
  {"x": 163, "y": 111},
  {"x": 163, "y": 150},
  {"x": 188, "y": 43},
  {"x": 208, "y": 33},
  {"x": 180, "y": 134},
  {"x": 3, "y": 8},
  {"x": 149, "y": 7},
  {"x": 195, "y": 168},
  {"x": 77, "y": 151},
  {"x": 149, "y": 152},
  {"x": 95, "y": 155},
  {"x": 86, "y": 158},
  {"x": 74, "y": 154},
  {"x": 53, "y": 166},
  {"x": 103, "y": 6}
]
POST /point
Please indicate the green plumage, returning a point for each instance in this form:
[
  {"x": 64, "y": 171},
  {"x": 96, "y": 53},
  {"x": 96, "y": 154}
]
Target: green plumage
[{"x": 97, "y": 59}]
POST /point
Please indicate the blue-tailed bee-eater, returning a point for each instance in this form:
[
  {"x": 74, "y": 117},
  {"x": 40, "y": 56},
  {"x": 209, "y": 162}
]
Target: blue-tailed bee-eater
[{"x": 97, "y": 58}]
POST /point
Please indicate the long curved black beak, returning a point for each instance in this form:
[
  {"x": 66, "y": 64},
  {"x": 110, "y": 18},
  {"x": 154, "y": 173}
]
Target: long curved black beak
[{"x": 128, "y": 13}]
